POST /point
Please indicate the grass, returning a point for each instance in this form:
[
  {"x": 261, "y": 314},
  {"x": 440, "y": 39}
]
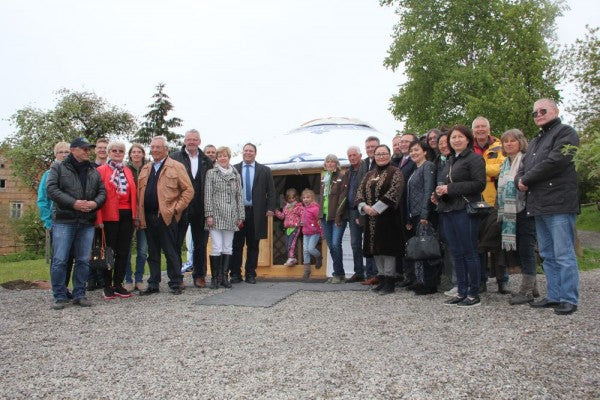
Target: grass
[
  {"x": 589, "y": 219},
  {"x": 37, "y": 270}
]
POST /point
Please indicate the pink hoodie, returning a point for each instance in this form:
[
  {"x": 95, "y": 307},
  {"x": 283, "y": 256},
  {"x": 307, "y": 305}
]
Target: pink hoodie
[{"x": 310, "y": 219}]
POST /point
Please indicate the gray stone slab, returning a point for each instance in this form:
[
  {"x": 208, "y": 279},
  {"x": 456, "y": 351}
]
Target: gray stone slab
[{"x": 267, "y": 294}]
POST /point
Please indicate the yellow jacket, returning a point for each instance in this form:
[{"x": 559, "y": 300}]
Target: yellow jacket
[{"x": 493, "y": 157}]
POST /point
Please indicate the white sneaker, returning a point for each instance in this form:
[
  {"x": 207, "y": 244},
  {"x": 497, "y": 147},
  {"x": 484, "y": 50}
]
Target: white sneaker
[
  {"x": 452, "y": 292},
  {"x": 128, "y": 287},
  {"x": 291, "y": 262}
]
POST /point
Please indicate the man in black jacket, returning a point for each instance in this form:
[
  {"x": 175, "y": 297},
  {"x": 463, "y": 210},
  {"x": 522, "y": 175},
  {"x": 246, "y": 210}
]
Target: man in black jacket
[
  {"x": 258, "y": 193},
  {"x": 77, "y": 191},
  {"x": 547, "y": 174},
  {"x": 401, "y": 159},
  {"x": 196, "y": 164}
]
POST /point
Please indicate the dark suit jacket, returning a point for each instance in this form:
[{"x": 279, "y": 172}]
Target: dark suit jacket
[
  {"x": 196, "y": 206},
  {"x": 407, "y": 170},
  {"x": 263, "y": 197}
]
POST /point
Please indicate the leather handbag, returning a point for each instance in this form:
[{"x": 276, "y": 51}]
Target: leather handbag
[
  {"x": 103, "y": 257},
  {"x": 475, "y": 208},
  {"x": 478, "y": 208},
  {"x": 424, "y": 245}
]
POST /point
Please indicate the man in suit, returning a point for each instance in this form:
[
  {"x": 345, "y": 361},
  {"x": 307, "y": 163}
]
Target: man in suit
[
  {"x": 366, "y": 165},
  {"x": 259, "y": 202},
  {"x": 401, "y": 159},
  {"x": 196, "y": 164}
]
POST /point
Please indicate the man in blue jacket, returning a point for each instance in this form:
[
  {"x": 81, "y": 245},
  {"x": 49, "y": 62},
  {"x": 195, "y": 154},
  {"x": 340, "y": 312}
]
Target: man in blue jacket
[
  {"x": 547, "y": 174},
  {"x": 61, "y": 151}
]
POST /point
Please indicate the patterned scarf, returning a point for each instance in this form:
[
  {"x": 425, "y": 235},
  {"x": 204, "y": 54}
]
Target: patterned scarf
[
  {"x": 507, "y": 202},
  {"x": 118, "y": 176}
]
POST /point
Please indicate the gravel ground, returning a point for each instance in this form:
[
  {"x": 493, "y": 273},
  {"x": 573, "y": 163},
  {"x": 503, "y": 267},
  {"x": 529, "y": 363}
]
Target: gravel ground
[{"x": 311, "y": 345}]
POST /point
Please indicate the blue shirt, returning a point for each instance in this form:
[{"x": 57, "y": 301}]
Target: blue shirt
[{"x": 252, "y": 169}]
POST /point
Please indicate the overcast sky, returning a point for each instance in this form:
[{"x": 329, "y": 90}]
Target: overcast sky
[{"x": 236, "y": 70}]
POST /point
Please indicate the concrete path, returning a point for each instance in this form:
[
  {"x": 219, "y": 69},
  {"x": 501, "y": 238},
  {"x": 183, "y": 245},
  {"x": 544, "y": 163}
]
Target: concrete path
[{"x": 267, "y": 294}]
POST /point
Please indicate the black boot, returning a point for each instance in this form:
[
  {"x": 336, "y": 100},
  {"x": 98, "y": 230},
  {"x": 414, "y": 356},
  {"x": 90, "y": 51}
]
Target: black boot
[
  {"x": 389, "y": 285},
  {"x": 225, "y": 270},
  {"x": 380, "y": 285},
  {"x": 502, "y": 287},
  {"x": 215, "y": 269}
]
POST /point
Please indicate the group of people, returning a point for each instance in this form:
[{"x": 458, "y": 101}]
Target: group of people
[{"x": 420, "y": 186}]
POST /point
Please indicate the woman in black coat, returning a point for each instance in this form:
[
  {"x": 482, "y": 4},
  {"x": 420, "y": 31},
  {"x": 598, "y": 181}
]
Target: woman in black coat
[
  {"x": 462, "y": 181},
  {"x": 378, "y": 198}
]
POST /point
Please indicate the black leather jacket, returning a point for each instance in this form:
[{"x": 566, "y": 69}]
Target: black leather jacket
[
  {"x": 549, "y": 173},
  {"x": 467, "y": 181},
  {"x": 64, "y": 188}
]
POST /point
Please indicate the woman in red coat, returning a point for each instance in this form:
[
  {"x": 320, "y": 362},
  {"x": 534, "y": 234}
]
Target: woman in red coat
[{"x": 117, "y": 217}]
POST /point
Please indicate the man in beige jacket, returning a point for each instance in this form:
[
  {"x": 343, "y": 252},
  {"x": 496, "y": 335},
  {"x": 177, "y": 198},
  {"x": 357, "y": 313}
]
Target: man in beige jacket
[{"x": 164, "y": 192}]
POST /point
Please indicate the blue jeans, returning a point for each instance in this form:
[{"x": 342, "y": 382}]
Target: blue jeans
[
  {"x": 333, "y": 236},
  {"x": 309, "y": 244},
  {"x": 556, "y": 242},
  {"x": 65, "y": 236},
  {"x": 461, "y": 232},
  {"x": 140, "y": 258}
]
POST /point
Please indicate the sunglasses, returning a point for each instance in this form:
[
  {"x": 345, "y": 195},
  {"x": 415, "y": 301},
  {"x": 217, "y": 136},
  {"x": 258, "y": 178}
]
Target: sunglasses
[{"x": 539, "y": 113}]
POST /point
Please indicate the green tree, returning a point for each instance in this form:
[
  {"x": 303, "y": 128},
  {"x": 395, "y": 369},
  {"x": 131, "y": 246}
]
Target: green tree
[
  {"x": 582, "y": 68},
  {"x": 84, "y": 114},
  {"x": 465, "y": 58},
  {"x": 156, "y": 122}
]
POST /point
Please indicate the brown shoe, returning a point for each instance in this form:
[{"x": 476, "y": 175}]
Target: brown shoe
[
  {"x": 374, "y": 280},
  {"x": 199, "y": 282},
  {"x": 182, "y": 285}
]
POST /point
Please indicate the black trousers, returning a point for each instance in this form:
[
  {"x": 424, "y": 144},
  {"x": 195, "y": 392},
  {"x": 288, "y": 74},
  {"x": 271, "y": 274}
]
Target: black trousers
[
  {"x": 163, "y": 237},
  {"x": 248, "y": 236},
  {"x": 199, "y": 239},
  {"x": 118, "y": 235},
  {"x": 406, "y": 268}
]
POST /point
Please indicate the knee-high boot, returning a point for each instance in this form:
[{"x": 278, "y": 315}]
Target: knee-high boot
[
  {"x": 225, "y": 270},
  {"x": 215, "y": 270}
]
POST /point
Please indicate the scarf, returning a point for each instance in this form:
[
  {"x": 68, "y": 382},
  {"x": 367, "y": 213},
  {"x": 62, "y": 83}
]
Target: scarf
[
  {"x": 118, "y": 176},
  {"x": 225, "y": 171},
  {"x": 507, "y": 202}
]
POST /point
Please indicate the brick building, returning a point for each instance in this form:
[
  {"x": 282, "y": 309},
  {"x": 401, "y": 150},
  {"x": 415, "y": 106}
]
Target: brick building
[{"x": 15, "y": 198}]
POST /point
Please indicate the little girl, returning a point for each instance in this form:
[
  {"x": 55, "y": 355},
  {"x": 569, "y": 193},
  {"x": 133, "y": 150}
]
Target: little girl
[
  {"x": 311, "y": 230},
  {"x": 292, "y": 217}
]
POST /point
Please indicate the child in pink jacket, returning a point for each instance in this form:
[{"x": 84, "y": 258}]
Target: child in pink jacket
[
  {"x": 292, "y": 218},
  {"x": 311, "y": 230}
]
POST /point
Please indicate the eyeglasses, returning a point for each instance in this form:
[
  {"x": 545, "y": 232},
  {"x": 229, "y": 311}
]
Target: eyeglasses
[
  {"x": 117, "y": 151},
  {"x": 382, "y": 154},
  {"x": 539, "y": 113}
]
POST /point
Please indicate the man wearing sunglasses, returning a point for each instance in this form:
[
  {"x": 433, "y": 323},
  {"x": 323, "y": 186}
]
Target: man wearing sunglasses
[{"x": 547, "y": 174}]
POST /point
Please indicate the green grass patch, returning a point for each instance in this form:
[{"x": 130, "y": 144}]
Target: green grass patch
[
  {"x": 590, "y": 260},
  {"x": 589, "y": 219},
  {"x": 38, "y": 270}
]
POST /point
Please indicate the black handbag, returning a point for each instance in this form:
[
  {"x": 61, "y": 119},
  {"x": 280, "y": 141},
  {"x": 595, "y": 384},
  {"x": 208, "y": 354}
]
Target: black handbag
[
  {"x": 103, "y": 257},
  {"x": 478, "y": 208},
  {"x": 475, "y": 208},
  {"x": 424, "y": 245}
]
